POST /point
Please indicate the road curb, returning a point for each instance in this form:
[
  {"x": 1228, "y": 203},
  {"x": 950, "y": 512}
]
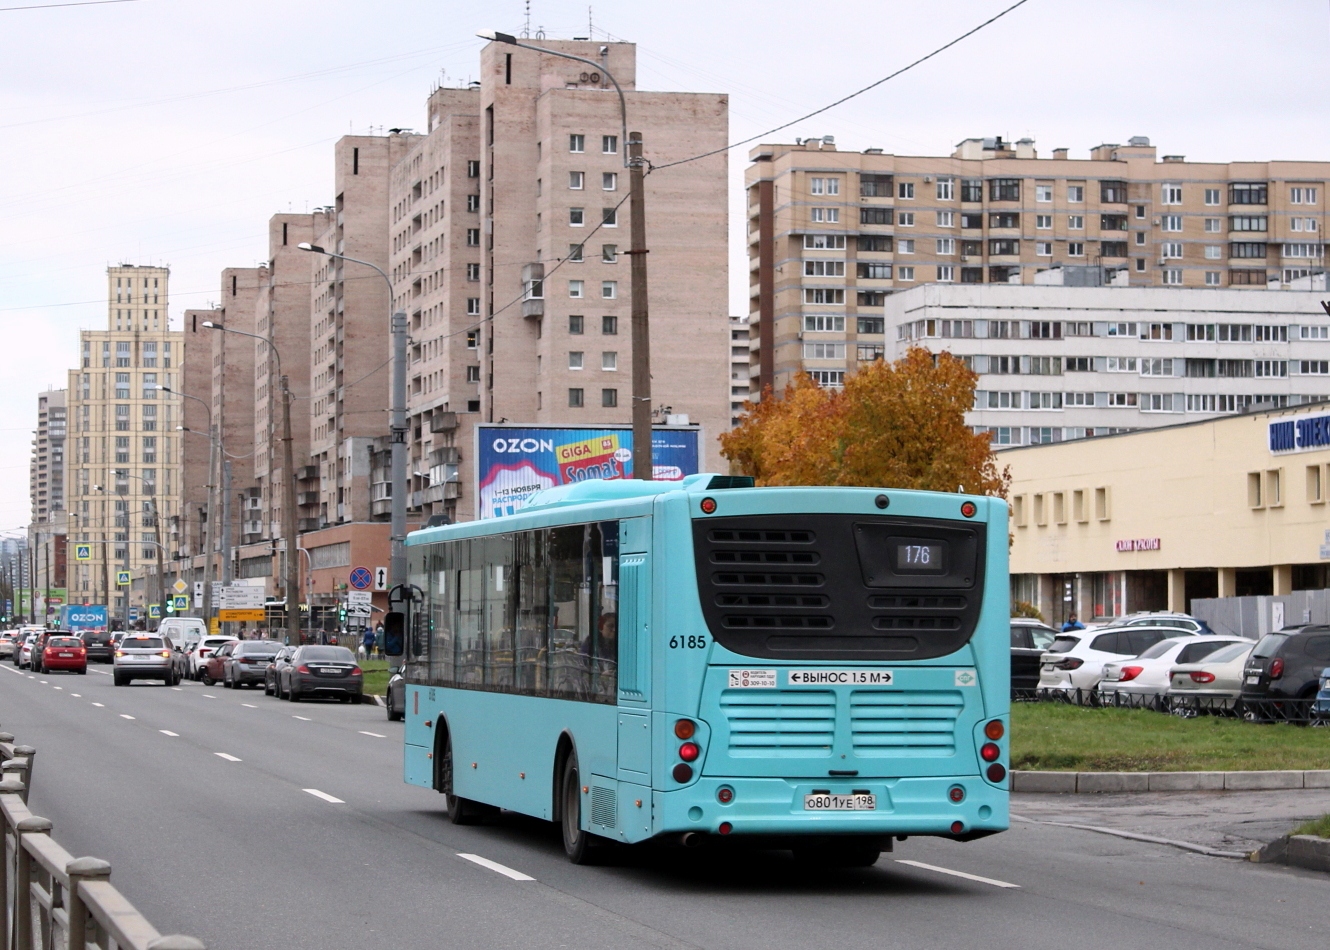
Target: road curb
[
  {"x": 1303, "y": 851},
  {"x": 1096, "y": 782},
  {"x": 373, "y": 699}
]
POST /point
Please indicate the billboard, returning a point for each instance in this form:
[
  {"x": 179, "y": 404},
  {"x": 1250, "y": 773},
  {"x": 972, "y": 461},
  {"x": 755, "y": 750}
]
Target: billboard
[
  {"x": 83, "y": 617},
  {"x": 515, "y": 462}
]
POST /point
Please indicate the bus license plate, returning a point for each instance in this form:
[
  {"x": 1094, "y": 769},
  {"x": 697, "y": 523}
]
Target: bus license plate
[{"x": 858, "y": 802}]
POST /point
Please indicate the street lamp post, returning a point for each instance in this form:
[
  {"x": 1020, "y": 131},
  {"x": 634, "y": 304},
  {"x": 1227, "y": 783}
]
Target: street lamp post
[
  {"x": 637, "y": 254},
  {"x": 292, "y": 582},
  {"x": 396, "y": 421},
  {"x": 214, "y": 453}
]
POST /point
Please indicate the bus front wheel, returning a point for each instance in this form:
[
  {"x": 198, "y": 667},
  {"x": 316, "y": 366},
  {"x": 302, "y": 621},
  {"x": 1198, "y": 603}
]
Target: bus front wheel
[
  {"x": 576, "y": 842},
  {"x": 461, "y": 811}
]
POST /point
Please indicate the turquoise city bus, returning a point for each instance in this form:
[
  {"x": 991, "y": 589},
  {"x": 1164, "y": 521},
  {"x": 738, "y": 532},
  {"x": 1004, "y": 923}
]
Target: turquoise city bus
[{"x": 819, "y": 669}]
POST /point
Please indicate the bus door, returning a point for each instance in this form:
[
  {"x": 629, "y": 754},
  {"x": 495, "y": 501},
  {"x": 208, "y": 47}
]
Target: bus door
[{"x": 634, "y": 696}]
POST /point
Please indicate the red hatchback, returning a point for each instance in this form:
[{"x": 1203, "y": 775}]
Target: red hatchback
[{"x": 65, "y": 653}]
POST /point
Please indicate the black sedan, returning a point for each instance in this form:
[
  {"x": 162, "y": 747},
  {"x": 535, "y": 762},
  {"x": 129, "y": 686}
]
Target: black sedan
[
  {"x": 1029, "y": 639},
  {"x": 321, "y": 671}
]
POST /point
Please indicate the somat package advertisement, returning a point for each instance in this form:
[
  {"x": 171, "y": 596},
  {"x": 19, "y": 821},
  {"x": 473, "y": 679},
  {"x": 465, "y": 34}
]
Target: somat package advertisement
[{"x": 513, "y": 463}]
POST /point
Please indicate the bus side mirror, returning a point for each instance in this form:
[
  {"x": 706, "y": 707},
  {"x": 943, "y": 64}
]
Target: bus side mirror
[{"x": 394, "y": 633}]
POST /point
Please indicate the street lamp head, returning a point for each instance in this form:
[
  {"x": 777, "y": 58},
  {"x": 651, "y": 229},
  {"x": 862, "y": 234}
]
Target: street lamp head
[
  {"x": 211, "y": 325},
  {"x": 165, "y": 389},
  {"x": 312, "y": 248},
  {"x": 497, "y": 37}
]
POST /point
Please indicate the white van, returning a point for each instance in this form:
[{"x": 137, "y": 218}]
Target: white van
[{"x": 183, "y": 632}]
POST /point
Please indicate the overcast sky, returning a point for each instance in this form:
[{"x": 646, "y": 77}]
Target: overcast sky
[{"x": 167, "y": 131}]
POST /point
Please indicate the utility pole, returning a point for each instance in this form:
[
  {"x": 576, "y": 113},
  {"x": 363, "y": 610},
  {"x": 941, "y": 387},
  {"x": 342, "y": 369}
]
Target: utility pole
[
  {"x": 227, "y": 567},
  {"x": 161, "y": 577},
  {"x": 289, "y": 520},
  {"x": 46, "y": 602},
  {"x": 643, "y": 467},
  {"x": 32, "y": 587}
]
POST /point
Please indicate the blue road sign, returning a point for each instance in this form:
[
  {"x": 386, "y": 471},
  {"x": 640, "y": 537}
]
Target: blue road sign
[{"x": 361, "y": 578}]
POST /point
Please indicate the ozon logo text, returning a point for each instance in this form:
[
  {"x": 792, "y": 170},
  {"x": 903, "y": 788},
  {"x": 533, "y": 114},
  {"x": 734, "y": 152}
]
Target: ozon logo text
[{"x": 523, "y": 445}]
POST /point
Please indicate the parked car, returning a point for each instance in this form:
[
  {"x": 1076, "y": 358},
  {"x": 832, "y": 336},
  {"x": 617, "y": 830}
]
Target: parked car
[
  {"x": 272, "y": 676},
  {"x": 211, "y": 670},
  {"x": 248, "y": 662},
  {"x": 1148, "y": 675},
  {"x": 1212, "y": 683},
  {"x": 38, "y": 651},
  {"x": 1285, "y": 665},
  {"x": 1076, "y": 659},
  {"x": 203, "y": 649},
  {"x": 142, "y": 656},
  {"x": 1321, "y": 708},
  {"x": 65, "y": 652},
  {"x": 1030, "y": 639},
  {"x": 395, "y": 697},
  {"x": 322, "y": 671},
  {"x": 1163, "y": 619},
  {"x": 8, "y": 643},
  {"x": 23, "y": 658},
  {"x": 98, "y": 645}
]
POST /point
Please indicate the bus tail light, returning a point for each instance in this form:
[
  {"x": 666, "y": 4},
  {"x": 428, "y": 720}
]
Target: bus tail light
[
  {"x": 995, "y": 730},
  {"x": 996, "y": 772},
  {"x": 685, "y": 728},
  {"x": 957, "y": 827},
  {"x": 689, "y": 751},
  {"x": 969, "y": 509},
  {"x": 724, "y": 794},
  {"x": 956, "y": 794},
  {"x": 725, "y": 827},
  {"x": 683, "y": 773},
  {"x": 990, "y": 752}
]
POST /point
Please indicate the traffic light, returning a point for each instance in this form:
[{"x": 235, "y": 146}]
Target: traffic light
[
  {"x": 341, "y": 613},
  {"x": 170, "y": 606}
]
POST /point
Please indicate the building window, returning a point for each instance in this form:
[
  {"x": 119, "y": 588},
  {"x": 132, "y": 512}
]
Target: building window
[
  {"x": 825, "y": 215},
  {"x": 473, "y": 374},
  {"x": 609, "y": 181},
  {"x": 575, "y": 324},
  {"x": 1075, "y": 249},
  {"x": 1314, "y": 333},
  {"x": 609, "y": 144},
  {"x": 609, "y": 253},
  {"x": 575, "y": 289},
  {"x": 1303, "y": 250},
  {"x": 473, "y": 202},
  {"x": 1043, "y": 222},
  {"x": 1043, "y": 192},
  {"x": 609, "y": 217},
  {"x": 473, "y": 237},
  {"x": 609, "y": 326},
  {"x": 1043, "y": 248},
  {"x": 878, "y": 325},
  {"x": 823, "y": 323},
  {"x": 1302, "y": 195},
  {"x": 875, "y": 186},
  {"x": 824, "y": 295},
  {"x": 1212, "y": 196},
  {"x": 875, "y": 216},
  {"x": 1247, "y": 193},
  {"x": 1113, "y": 249},
  {"x": 575, "y": 359},
  {"x": 473, "y": 168},
  {"x": 1170, "y": 194},
  {"x": 1171, "y": 249},
  {"x": 576, "y": 181},
  {"x": 946, "y": 219},
  {"x": 1004, "y": 189},
  {"x": 946, "y": 246},
  {"x": 869, "y": 352},
  {"x": 1298, "y": 224},
  {"x": 1314, "y": 367},
  {"x": 1212, "y": 278},
  {"x": 1171, "y": 222},
  {"x": 1214, "y": 252},
  {"x": 1274, "y": 369},
  {"x": 945, "y": 190},
  {"x": 1113, "y": 192},
  {"x": 575, "y": 398},
  {"x": 576, "y": 217},
  {"x": 609, "y": 398},
  {"x": 828, "y": 378},
  {"x": 1247, "y": 249},
  {"x": 576, "y": 143},
  {"x": 905, "y": 219},
  {"x": 609, "y": 289},
  {"x": 574, "y": 254},
  {"x": 1247, "y": 222},
  {"x": 905, "y": 189},
  {"x": 609, "y": 361},
  {"x": 1004, "y": 219},
  {"x": 1076, "y": 222},
  {"x": 905, "y": 273},
  {"x": 473, "y": 272},
  {"x": 824, "y": 186},
  {"x": 473, "y": 306},
  {"x": 824, "y": 268},
  {"x": 1003, "y": 246},
  {"x": 905, "y": 246},
  {"x": 121, "y": 385},
  {"x": 946, "y": 273},
  {"x": 472, "y": 339},
  {"x": 828, "y": 242},
  {"x": 122, "y": 450}
]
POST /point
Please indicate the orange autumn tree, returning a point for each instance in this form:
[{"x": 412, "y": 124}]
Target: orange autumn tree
[{"x": 894, "y": 425}]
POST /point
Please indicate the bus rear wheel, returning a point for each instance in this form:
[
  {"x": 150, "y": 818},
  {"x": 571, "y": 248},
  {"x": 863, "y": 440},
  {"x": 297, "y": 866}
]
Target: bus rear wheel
[{"x": 576, "y": 842}]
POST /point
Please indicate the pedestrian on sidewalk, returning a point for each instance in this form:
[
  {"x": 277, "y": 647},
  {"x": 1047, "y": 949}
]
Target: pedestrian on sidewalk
[{"x": 367, "y": 645}]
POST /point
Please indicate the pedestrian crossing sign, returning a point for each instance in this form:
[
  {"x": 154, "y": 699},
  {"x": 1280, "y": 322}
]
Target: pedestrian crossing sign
[
  {"x": 154, "y": 611},
  {"x": 122, "y": 578},
  {"x": 182, "y": 603},
  {"x": 83, "y": 552}
]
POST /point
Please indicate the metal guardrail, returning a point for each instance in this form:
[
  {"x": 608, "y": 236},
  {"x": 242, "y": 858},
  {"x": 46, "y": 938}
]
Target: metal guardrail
[
  {"x": 52, "y": 900},
  {"x": 1297, "y": 711}
]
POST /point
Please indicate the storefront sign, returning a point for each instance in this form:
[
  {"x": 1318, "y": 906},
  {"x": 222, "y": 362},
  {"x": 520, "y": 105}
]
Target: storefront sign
[
  {"x": 1299, "y": 435},
  {"x": 1138, "y": 544},
  {"x": 513, "y": 463}
]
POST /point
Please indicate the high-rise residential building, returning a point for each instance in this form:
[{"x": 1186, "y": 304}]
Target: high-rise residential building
[
  {"x": 123, "y": 468},
  {"x": 234, "y": 362},
  {"x": 510, "y": 228},
  {"x": 195, "y": 384},
  {"x": 832, "y": 234},
  {"x": 1060, "y": 363},
  {"x": 46, "y": 471},
  {"x": 740, "y": 353}
]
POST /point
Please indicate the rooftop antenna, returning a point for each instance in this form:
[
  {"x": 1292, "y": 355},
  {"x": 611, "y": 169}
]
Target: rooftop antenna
[
  {"x": 526, "y": 26},
  {"x": 590, "y": 31}
]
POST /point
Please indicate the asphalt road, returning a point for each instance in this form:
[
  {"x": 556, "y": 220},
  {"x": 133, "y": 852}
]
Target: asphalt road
[{"x": 204, "y": 801}]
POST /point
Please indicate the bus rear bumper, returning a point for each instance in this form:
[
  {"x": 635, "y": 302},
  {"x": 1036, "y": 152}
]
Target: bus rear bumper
[{"x": 774, "y": 806}]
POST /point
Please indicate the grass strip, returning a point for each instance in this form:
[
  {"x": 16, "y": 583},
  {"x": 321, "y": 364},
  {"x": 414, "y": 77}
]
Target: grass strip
[
  {"x": 1064, "y": 738},
  {"x": 1319, "y": 827}
]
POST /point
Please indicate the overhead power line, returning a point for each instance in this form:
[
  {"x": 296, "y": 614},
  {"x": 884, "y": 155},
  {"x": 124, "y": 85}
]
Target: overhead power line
[
  {"x": 83, "y": 3},
  {"x": 844, "y": 99}
]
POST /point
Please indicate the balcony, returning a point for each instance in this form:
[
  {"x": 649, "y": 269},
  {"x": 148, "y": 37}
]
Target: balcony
[
  {"x": 443, "y": 422},
  {"x": 308, "y": 524},
  {"x": 307, "y": 498}
]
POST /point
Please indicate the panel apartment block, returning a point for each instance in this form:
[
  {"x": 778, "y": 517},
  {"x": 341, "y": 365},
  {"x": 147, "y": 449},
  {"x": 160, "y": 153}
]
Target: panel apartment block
[
  {"x": 555, "y": 343},
  {"x": 46, "y": 471},
  {"x": 435, "y": 217},
  {"x": 1060, "y": 363},
  {"x": 124, "y": 458},
  {"x": 349, "y": 334},
  {"x": 832, "y": 234}
]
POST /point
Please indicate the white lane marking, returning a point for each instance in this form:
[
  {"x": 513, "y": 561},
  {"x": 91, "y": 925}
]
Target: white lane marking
[
  {"x": 58, "y": 687},
  {"x": 76, "y": 695},
  {"x": 99, "y": 704},
  {"x": 496, "y": 866},
  {"x": 43, "y": 682},
  {"x": 228, "y": 757},
  {"x": 325, "y": 796},
  {"x": 249, "y": 706},
  {"x": 374, "y": 734},
  {"x": 968, "y": 877},
  {"x": 209, "y": 696},
  {"x": 100, "y": 672},
  {"x": 302, "y": 718},
  {"x": 126, "y": 716},
  {"x": 168, "y": 732},
  {"x": 8, "y": 670},
  {"x": 177, "y": 689}
]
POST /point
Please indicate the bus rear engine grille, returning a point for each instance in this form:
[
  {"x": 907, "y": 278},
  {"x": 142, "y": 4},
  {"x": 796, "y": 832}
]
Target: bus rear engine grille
[
  {"x": 916, "y": 623},
  {"x": 916, "y": 602},
  {"x": 742, "y": 536},
  {"x": 904, "y": 722},
  {"x": 768, "y": 622},
  {"x": 772, "y": 600},
  {"x": 765, "y": 557},
  {"x": 756, "y": 579},
  {"x": 793, "y": 723}
]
